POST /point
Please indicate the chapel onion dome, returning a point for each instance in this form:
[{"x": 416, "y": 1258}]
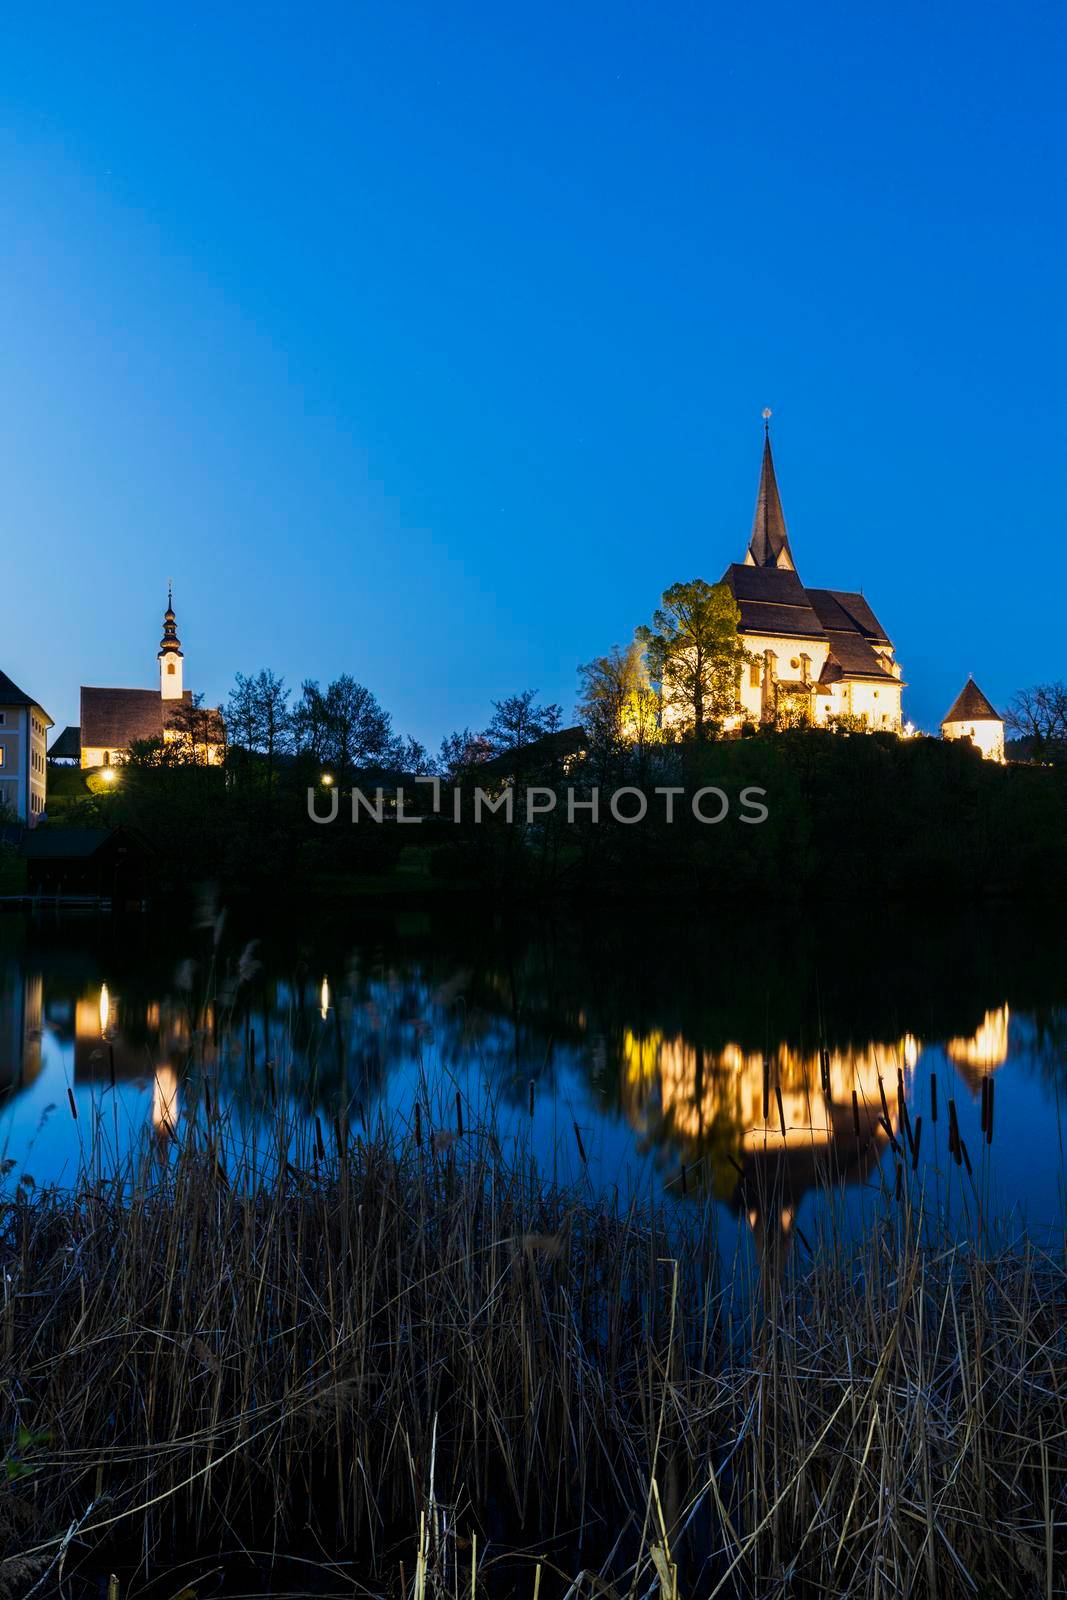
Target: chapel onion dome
[{"x": 170, "y": 643}]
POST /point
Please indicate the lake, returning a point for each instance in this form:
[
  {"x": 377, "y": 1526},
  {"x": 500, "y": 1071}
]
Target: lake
[{"x": 765, "y": 1068}]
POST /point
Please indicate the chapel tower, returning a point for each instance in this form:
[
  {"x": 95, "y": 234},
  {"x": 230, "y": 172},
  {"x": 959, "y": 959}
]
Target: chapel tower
[{"x": 170, "y": 654}]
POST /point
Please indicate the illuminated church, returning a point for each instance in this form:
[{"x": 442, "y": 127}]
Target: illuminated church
[
  {"x": 820, "y": 654},
  {"x": 114, "y": 719}
]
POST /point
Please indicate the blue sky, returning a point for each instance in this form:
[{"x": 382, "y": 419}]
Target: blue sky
[{"x": 429, "y": 342}]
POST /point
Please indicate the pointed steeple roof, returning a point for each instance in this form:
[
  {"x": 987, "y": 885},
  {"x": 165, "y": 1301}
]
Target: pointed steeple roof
[
  {"x": 971, "y": 705},
  {"x": 170, "y": 644},
  {"x": 769, "y": 544}
]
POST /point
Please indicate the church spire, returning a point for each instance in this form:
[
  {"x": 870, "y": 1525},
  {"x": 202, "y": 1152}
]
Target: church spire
[
  {"x": 169, "y": 654},
  {"x": 769, "y": 544}
]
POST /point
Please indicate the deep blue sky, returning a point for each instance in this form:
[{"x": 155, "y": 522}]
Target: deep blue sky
[{"x": 429, "y": 342}]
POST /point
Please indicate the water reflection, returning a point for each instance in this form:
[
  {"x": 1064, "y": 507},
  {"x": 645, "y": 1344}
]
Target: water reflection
[{"x": 664, "y": 1071}]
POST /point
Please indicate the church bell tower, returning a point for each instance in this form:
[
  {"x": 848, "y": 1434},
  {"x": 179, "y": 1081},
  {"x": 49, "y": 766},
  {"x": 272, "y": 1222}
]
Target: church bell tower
[{"x": 170, "y": 654}]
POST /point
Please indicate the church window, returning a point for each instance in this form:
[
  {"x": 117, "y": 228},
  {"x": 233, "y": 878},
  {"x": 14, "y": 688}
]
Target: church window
[
  {"x": 170, "y": 668},
  {"x": 3, "y": 755},
  {"x": 753, "y": 674},
  {"x": 107, "y": 758}
]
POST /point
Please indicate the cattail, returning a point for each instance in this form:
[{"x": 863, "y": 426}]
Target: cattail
[
  {"x": 985, "y": 1104},
  {"x": 905, "y": 1121},
  {"x": 73, "y": 1107},
  {"x": 581, "y": 1146},
  {"x": 885, "y": 1102},
  {"x": 766, "y": 1088},
  {"x": 418, "y": 1124},
  {"x": 933, "y": 1098},
  {"x": 320, "y": 1147},
  {"x": 900, "y": 1182},
  {"x": 915, "y": 1143},
  {"x": 459, "y": 1114},
  {"x": 856, "y": 1114},
  {"x": 685, "y": 1186},
  {"x": 824, "y": 1063},
  {"x": 888, "y": 1126},
  {"x": 781, "y": 1107},
  {"x": 271, "y": 1088},
  {"x": 989, "y": 1115},
  {"x": 953, "y": 1133},
  {"x": 900, "y": 1089},
  {"x": 966, "y": 1158},
  {"x": 531, "y": 1097}
]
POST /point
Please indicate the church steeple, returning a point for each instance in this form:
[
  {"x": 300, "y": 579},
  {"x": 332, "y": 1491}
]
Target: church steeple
[
  {"x": 169, "y": 654},
  {"x": 769, "y": 544}
]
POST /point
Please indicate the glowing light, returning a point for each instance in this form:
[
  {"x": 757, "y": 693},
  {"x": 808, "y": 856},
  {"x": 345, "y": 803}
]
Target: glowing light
[
  {"x": 911, "y": 1051},
  {"x": 324, "y": 999},
  {"x": 327, "y": 778},
  {"x": 909, "y": 730},
  {"x": 987, "y": 1046},
  {"x": 105, "y": 1010},
  {"x": 165, "y": 1101},
  {"x": 108, "y": 775}
]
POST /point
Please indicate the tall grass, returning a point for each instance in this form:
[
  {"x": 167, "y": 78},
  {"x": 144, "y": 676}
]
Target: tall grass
[{"x": 410, "y": 1366}]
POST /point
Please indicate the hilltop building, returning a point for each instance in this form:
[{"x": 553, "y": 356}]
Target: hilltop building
[
  {"x": 821, "y": 654},
  {"x": 113, "y": 719},
  {"x": 972, "y": 717},
  {"x": 23, "y": 765}
]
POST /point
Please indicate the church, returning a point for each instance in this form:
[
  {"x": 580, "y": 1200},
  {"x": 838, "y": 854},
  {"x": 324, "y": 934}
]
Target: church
[
  {"x": 820, "y": 654},
  {"x": 113, "y": 719}
]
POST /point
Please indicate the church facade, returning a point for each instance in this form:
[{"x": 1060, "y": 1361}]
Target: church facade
[
  {"x": 819, "y": 655},
  {"x": 114, "y": 719}
]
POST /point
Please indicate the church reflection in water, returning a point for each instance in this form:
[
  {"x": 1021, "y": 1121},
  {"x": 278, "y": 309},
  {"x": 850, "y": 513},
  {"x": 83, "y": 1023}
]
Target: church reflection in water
[
  {"x": 755, "y": 1130},
  {"x": 760, "y": 1131}
]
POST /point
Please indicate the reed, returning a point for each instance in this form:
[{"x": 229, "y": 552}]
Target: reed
[{"x": 419, "y": 1369}]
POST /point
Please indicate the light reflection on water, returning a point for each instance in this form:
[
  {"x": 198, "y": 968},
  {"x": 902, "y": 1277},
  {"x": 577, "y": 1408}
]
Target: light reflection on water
[{"x": 690, "y": 1113}]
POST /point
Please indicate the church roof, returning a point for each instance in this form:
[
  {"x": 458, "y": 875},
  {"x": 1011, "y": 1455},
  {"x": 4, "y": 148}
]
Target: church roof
[
  {"x": 112, "y": 719},
  {"x": 971, "y": 705},
  {"x": 773, "y": 602},
  {"x": 769, "y": 544}
]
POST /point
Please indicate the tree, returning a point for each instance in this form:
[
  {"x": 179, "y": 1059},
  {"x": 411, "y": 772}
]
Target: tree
[
  {"x": 695, "y": 655},
  {"x": 461, "y": 751},
  {"x": 344, "y": 728},
  {"x": 618, "y": 706},
  {"x": 194, "y": 729},
  {"x": 1039, "y": 715},
  {"x": 275, "y": 722},
  {"x": 258, "y": 719},
  {"x": 518, "y": 720}
]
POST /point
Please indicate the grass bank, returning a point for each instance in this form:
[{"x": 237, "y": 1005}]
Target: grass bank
[{"x": 387, "y": 1365}]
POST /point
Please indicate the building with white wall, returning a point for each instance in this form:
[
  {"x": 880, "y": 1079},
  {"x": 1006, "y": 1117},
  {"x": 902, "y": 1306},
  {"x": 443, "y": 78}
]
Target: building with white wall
[
  {"x": 972, "y": 717},
  {"x": 24, "y": 726}
]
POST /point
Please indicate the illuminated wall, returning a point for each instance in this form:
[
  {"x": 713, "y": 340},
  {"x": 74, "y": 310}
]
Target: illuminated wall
[{"x": 988, "y": 736}]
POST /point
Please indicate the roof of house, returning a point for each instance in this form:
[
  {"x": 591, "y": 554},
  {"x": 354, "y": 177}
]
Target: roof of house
[
  {"x": 68, "y": 747},
  {"x": 549, "y": 747},
  {"x": 12, "y": 695},
  {"x": 113, "y": 719},
  {"x": 971, "y": 705},
  {"x": 64, "y": 844}
]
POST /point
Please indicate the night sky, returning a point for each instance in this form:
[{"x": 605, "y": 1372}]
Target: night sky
[{"x": 429, "y": 342}]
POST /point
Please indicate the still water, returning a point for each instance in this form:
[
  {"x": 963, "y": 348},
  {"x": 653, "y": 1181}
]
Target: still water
[{"x": 715, "y": 1062}]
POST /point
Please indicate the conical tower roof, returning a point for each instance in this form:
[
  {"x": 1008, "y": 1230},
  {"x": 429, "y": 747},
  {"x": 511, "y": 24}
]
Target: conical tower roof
[
  {"x": 971, "y": 705},
  {"x": 769, "y": 544}
]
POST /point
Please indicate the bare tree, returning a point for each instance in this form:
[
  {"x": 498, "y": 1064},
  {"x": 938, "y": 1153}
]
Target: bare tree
[{"x": 1039, "y": 715}]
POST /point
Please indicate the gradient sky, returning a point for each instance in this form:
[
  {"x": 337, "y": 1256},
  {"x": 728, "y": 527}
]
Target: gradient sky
[{"x": 429, "y": 342}]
